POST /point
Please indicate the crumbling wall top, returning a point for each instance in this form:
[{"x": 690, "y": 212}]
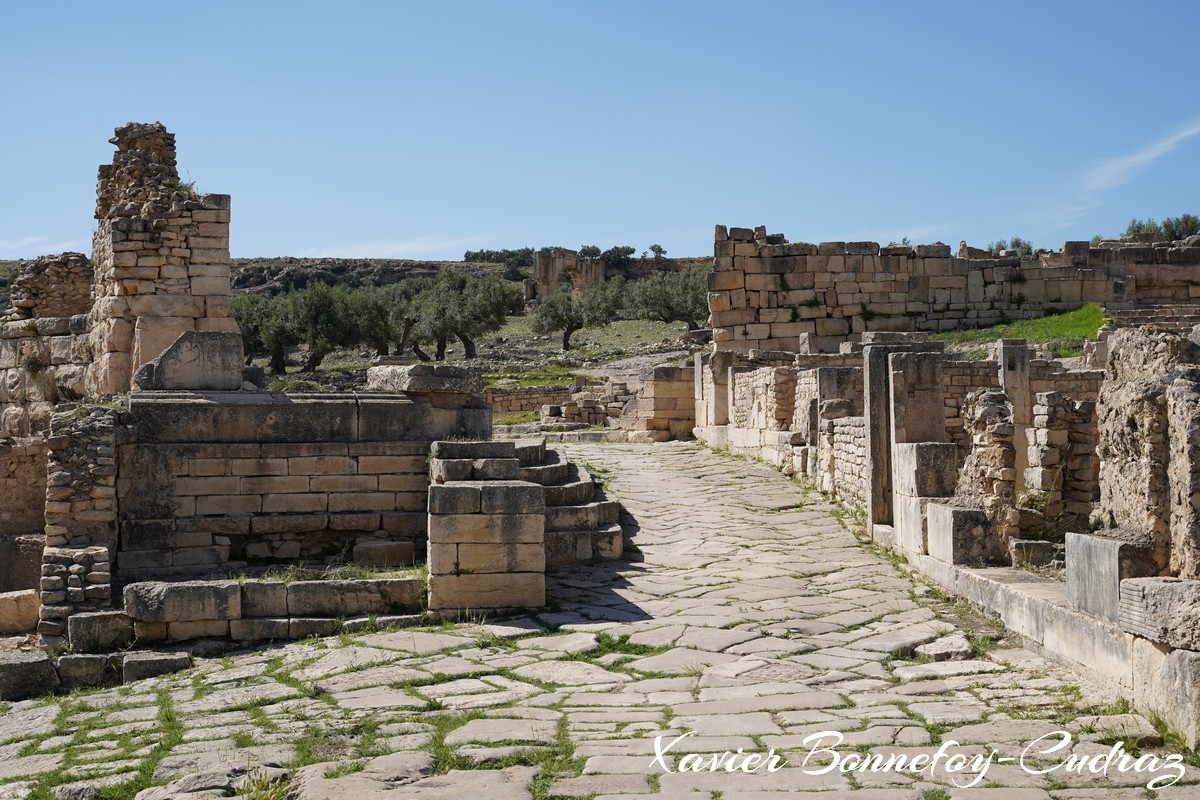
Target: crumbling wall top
[{"x": 143, "y": 175}]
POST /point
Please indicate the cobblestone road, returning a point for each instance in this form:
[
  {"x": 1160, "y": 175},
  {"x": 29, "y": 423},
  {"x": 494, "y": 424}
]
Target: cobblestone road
[{"x": 749, "y": 619}]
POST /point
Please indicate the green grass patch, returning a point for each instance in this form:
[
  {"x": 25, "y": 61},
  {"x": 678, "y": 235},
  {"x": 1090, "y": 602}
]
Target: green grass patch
[
  {"x": 548, "y": 375},
  {"x": 1068, "y": 330},
  {"x": 517, "y": 419}
]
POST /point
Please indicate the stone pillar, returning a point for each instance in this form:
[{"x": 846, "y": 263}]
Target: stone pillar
[
  {"x": 1014, "y": 356},
  {"x": 486, "y": 530},
  {"x": 81, "y": 515},
  {"x": 923, "y": 463},
  {"x": 877, "y": 407}
]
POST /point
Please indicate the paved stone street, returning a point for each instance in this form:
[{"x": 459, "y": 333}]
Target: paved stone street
[{"x": 748, "y": 617}]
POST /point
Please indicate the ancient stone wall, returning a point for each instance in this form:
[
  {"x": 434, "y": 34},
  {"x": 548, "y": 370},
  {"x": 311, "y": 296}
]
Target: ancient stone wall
[
  {"x": 189, "y": 509},
  {"x": 1063, "y": 469},
  {"x": 846, "y": 444},
  {"x": 962, "y": 378},
  {"x": 42, "y": 362},
  {"x": 1079, "y": 384},
  {"x": 219, "y": 478},
  {"x": 160, "y": 256},
  {"x": 526, "y": 399},
  {"x": 22, "y": 514},
  {"x": 763, "y": 399},
  {"x": 766, "y": 293},
  {"x": 52, "y": 286}
]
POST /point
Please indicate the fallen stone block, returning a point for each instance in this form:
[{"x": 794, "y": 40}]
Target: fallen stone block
[
  {"x": 99, "y": 631},
  {"x": 139, "y": 666},
  {"x": 26, "y": 675},
  {"x": 183, "y": 602},
  {"x": 197, "y": 360},
  {"x": 19, "y": 611}
]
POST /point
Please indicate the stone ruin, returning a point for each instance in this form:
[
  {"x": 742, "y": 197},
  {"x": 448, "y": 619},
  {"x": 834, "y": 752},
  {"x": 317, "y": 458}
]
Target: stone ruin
[
  {"x": 1061, "y": 495},
  {"x": 555, "y": 265},
  {"x": 122, "y": 521}
]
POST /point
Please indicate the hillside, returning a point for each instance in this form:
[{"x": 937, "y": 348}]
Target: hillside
[{"x": 280, "y": 274}]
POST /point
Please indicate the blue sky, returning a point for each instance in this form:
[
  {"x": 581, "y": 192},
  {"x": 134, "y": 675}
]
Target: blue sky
[{"x": 406, "y": 130}]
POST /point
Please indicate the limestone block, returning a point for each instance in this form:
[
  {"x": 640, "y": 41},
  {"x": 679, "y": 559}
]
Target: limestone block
[
  {"x": 183, "y": 602},
  {"x": 334, "y": 598},
  {"x": 954, "y": 534},
  {"x": 196, "y": 360},
  {"x": 259, "y": 630},
  {"x": 1098, "y": 564},
  {"x": 379, "y": 553},
  {"x": 26, "y": 675},
  {"x": 926, "y": 469},
  {"x": 424, "y": 379},
  {"x": 138, "y": 666},
  {"x": 487, "y": 528},
  {"x": 509, "y": 590},
  {"x": 303, "y": 627},
  {"x": 19, "y": 611},
  {"x": 1165, "y": 610},
  {"x": 450, "y": 469},
  {"x": 197, "y": 629},
  {"x": 512, "y": 497},
  {"x": 99, "y": 632},
  {"x": 473, "y": 450},
  {"x": 84, "y": 670},
  {"x": 264, "y": 599},
  {"x": 458, "y": 498}
]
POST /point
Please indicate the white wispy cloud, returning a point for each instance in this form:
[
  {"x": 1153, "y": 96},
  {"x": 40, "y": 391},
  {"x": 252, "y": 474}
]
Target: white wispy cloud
[
  {"x": 403, "y": 248},
  {"x": 1112, "y": 173},
  {"x": 33, "y": 246}
]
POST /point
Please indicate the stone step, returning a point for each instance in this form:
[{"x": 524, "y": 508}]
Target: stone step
[
  {"x": 553, "y": 471},
  {"x": 560, "y": 427},
  {"x": 531, "y": 452},
  {"x": 571, "y": 493},
  {"x": 586, "y": 516},
  {"x": 581, "y": 547}
]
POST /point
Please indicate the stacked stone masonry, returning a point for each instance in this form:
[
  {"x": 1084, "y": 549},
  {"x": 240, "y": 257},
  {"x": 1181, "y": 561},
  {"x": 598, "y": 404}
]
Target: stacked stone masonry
[
  {"x": 22, "y": 514},
  {"x": 51, "y": 286},
  {"x": 526, "y": 399},
  {"x": 486, "y": 529},
  {"x": 769, "y": 294}
]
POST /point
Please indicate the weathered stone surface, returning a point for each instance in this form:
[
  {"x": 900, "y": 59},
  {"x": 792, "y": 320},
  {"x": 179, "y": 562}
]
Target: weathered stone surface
[
  {"x": 100, "y": 631},
  {"x": 424, "y": 379},
  {"x": 1165, "y": 610},
  {"x": 183, "y": 602},
  {"x": 138, "y": 666},
  {"x": 19, "y": 611},
  {"x": 197, "y": 360},
  {"x": 26, "y": 675},
  {"x": 1098, "y": 566},
  {"x": 379, "y": 553},
  {"x": 264, "y": 599},
  {"x": 81, "y": 670},
  {"x": 948, "y": 648}
]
